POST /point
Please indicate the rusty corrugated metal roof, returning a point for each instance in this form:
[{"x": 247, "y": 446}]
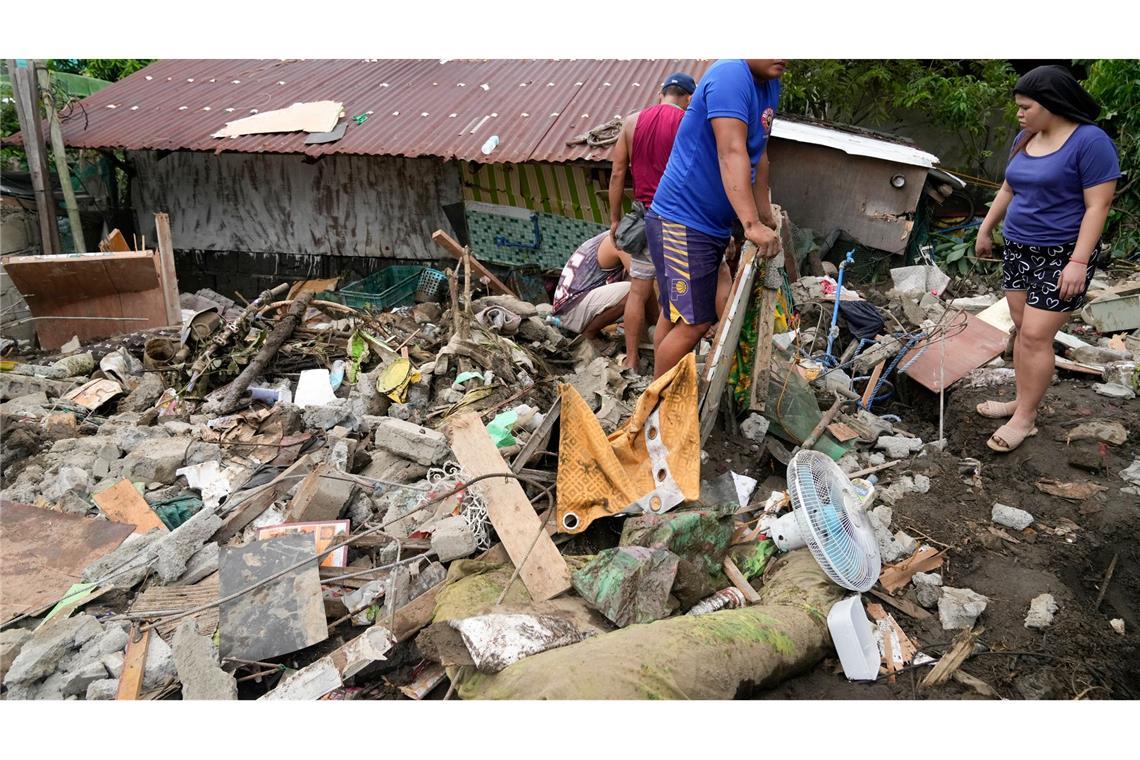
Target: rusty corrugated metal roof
[{"x": 415, "y": 107}]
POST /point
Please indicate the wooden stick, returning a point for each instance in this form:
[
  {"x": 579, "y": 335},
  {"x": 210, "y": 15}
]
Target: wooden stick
[
  {"x": 872, "y": 470},
  {"x": 827, "y": 418},
  {"x": 902, "y": 605},
  {"x": 961, "y": 650},
  {"x": 260, "y": 362},
  {"x": 1107, "y": 579},
  {"x": 870, "y": 389},
  {"x": 738, "y": 580},
  {"x": 452, "y": 246},
  {"x": 539, "y": 438}
]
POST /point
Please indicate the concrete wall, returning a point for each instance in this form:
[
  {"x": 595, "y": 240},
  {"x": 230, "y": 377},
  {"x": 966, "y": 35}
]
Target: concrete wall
[
  {"x": 243, "y": 221},
  {"x": 19, "y": 236}
]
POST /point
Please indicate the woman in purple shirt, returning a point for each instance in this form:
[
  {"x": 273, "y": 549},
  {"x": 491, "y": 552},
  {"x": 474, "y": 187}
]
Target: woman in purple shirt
[{"x": 1058, "y": 187}]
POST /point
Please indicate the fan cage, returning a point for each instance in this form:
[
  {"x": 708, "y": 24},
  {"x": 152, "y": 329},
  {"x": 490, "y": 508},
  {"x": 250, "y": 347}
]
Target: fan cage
[{"x": 824, "y": 501}]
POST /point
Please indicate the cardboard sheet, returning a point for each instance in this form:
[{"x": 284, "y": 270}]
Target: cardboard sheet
[{"x": 319, "y": 116}]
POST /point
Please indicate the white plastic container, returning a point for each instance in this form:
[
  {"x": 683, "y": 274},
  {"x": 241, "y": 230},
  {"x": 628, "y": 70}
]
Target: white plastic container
[{"x": 854, "y": 639}]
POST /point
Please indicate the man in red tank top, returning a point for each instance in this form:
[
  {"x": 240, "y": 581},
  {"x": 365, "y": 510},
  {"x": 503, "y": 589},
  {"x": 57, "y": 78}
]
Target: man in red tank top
[{"x": 642, "y": 150}]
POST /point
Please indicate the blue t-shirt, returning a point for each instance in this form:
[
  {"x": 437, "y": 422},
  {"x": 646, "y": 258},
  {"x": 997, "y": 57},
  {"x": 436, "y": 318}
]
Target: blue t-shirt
[
  {"x": 691, "y": 191},
  {"x": 1048, "y": 191}
]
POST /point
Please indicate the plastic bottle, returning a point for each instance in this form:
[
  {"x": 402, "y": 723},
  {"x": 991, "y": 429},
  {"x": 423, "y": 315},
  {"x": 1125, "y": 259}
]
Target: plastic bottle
[
  {"x": 490, "y": 145},
  {"x": 336, "y": 375},
  {"x": 726, "y": 599}
]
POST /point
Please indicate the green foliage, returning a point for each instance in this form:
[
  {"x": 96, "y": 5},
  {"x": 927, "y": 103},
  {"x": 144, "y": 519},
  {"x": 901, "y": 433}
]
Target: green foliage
[
  {"x": 971, "y": 99},
  {"x": 1115, "y": 84},
  {"x": 955, "y": 254},
  {"x": 110, "y": 69}
]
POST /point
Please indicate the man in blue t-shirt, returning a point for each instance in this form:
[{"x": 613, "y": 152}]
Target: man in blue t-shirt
[{"x": 717, "y": 172}]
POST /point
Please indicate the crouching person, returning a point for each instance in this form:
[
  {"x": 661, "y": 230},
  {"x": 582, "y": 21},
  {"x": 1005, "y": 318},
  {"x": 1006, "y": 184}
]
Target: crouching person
[{"x": 593, "y": 288}]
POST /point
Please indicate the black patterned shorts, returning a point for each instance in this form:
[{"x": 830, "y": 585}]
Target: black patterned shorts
[{"x": 1036, "y": 269}]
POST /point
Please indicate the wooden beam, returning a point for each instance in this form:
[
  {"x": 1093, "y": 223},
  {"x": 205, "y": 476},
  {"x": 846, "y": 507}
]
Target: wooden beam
[
  {"x": 738, "y": 580},
  {"x": 26, "y": 92},
  {"x": 946, "y": 667},
  {"x": 544, "y": 573},
  {"x": 902, "y": 605},
  {"x": 539, "y": 438},
  {"x": 720, "y": 358},
  {"x": 134, "y": 665},
  {"x": 167, "y": 275},
  {"x": 765, "y": 327},
  {"x": 869, "y": 391},
  {"x": 452, "y": 246},
  {"x": 60, "y": 155}
]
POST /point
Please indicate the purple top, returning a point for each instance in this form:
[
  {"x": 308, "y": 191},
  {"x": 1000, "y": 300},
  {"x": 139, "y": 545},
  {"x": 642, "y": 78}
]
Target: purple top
[{"x": 1048, "y": 191}]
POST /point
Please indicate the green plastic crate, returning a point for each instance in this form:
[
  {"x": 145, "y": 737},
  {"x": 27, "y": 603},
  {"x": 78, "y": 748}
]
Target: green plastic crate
[{"x": 383, "y": 289}]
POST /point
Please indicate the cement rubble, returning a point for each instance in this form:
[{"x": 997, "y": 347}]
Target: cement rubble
[
  {"x": 1041, "y": 612},
  {"x": 1011, "y": 517}
]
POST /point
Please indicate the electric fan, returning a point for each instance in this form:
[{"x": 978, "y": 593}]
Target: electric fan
[{"x": 829, "y": 517}]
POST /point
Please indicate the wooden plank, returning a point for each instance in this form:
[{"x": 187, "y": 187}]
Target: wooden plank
[
  {"x": 544, "y": 573},
  {"x": 134, "y": 665},
  {"x": 249, "y": 509},
  {"x": 452, "y": 246},
  {"x": 114, "y": 242},
  {"x": 965, "y": 350},
  {"x": 160, "y": 601},
  {"x": 765, "y": 327},
  {"x": 431, "y": 676},
  {"x": 539, "y": 438},
  {"x": 904, "y": 606},
  {"x": 168, "y": 277},
  {"x": 122, "y": 503},
  {"x": 961, "y": 650},
  {"x": 876, "y": 373},
  {"x": 841, "y": 432},
  {"x": 898, "y": 575},
  {"x": 738, "y": 580},
  {"x": 720, "y": 358}
]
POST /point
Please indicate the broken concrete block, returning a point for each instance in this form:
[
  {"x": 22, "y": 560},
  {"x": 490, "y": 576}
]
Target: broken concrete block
[
  {"x": 113, "y": 662},
  {"x": 1113, "y": 390},
  {"x": 849, "y": 463},
  {"x": 1041, "y": 611},
  {"x": 114, "y": 639},
  {"x": 1011, "y": 517},
  {"x": 453, "y": 539},
  {"x": 157, "y": 462},
  {"x": 327, "y": 416},
  {"x": 322, "y": 495},
  {"x": 976, "y": 303},
  {"x": 128, "y": 563},
  {"x": 1117, "y": 625},
  {"x": 11, "y": 640},
  {"x": 872, "y": 355},
  {"x": 1108, "y": 431},
  {"x": 905, "y": 485},
  {"x": 41, "y": 653},
  {"x": 907, "y": 543},
  {"x": 131, "y": 437},
  {"x": 175, "y": 549},
  {"x": 960, "y": 607},
  {"x": 32, "y": 405},
  {"x": 755, "y": 427},
  {"x": 159, "y": 669},
  {"x": 419, "y": 444},
  {"x": 52, "y": 687},
  {"x": 898, "y": 446},
  {"x": 204, "y": 562},
  {"x": 196, "y": 661},
  {"x": 61, "y": 425},
  {"x": 105, "y": 689},
  {"x": 927, "y": 588},
  {"x": 68, "y": 479},
  {"x": 76, "y": 682},
  {"x": 145, "y": 394}
]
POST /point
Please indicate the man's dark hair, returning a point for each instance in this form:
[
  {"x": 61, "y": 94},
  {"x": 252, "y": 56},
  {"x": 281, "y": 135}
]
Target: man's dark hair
[{"x": 675, "y": 91}]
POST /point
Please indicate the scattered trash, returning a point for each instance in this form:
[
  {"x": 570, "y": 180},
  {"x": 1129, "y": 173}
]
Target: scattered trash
[{"x": 1072, "y": 491}]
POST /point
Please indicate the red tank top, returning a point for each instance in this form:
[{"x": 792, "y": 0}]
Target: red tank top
[{"x": 653, "y": 137}]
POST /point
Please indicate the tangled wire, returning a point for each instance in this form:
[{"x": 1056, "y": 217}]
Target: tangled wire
[{"x": 600, "y": 136}]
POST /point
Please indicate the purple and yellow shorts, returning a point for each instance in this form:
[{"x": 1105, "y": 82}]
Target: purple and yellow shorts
[{"x": 687, "y": 262}]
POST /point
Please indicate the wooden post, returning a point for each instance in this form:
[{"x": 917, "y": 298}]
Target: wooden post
[
  {"x": 765, "y": 326},
  {"x": 715, "y": 374},
  {"x": 166, "y": 269},
  {"x": 60, "y": 154},
  {"x": 28, "y": 111},
  {"x": 452, "y": 246}
]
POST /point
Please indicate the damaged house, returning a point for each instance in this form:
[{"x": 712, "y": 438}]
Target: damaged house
[{"x": 486, "y": 148}]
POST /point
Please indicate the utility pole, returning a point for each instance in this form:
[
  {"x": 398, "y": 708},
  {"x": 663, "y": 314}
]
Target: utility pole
[
  {"x": 25, "y": 89},
  {"x": 57, "y": 147}
]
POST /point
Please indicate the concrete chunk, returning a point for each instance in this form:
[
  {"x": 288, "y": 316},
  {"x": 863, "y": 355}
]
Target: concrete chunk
[
  {"x": 419, "y": 444},
  {"x": 176, "y": 548},
  {"x": 755, "y": 427},
  {"x": 105, "y": 689},
  {"x": 196, "y": 661},
  {"x": 40, "y": 654},
  {"x": 159, "y": 669},
  {"x": 898, "y": 446},
  {"x": 11, "y": 640},
  {"x": 1011, "y": 517},
  {"x": 158, "y": 461},
  {"x": 453, "y": 539},
  {"x": 1041, "y": 611},
  {"x": 76, "y": 682},
  {"x": 927, "y": 588},
  {"x": 960, "y": 607}
]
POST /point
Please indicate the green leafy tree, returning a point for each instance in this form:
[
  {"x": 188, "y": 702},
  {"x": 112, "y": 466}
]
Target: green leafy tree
[{"x": 1115, "y": 84}]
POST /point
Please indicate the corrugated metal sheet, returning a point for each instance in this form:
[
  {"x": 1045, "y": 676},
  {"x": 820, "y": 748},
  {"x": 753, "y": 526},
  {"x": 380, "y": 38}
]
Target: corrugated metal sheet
[{"x": 415, "y": 107}]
